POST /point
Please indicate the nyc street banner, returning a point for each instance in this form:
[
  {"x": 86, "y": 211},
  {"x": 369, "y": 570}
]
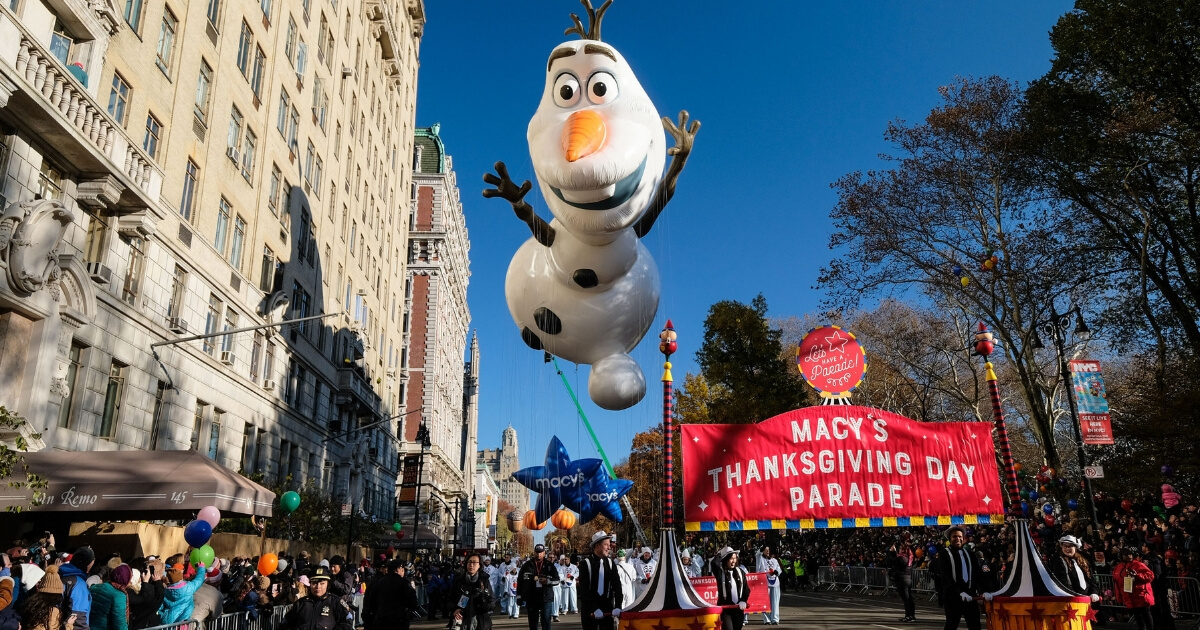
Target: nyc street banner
[
  {"x": 839, "y": 466},
  {"x": 1094, "y": 422}
]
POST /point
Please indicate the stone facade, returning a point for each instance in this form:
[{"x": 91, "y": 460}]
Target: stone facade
[
  {"x": 433, "y": 375},
  {"x": 171, "y": 169}
]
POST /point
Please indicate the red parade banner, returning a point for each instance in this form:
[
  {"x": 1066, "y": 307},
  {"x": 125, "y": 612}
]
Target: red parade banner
[
  {"x": 839, "y": 466},
  {"x": 706, "y": 588}
]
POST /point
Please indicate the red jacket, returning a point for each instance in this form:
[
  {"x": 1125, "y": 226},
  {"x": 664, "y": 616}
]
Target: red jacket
[{"x": 1142, "y": 596}]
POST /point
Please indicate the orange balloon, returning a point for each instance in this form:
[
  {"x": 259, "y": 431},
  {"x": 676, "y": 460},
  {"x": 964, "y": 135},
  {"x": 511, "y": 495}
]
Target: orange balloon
[
  {"x": 563, "y": 519},
  {"x": 919, "y": 553},
  {"x": 267, "y": 563},
  {"x": 1018, "y": 467},
  {"x": 531, "y": 521}
]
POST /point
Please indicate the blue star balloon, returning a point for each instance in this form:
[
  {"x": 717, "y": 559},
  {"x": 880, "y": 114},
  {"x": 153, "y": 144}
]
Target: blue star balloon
[
  {"x": 560, "y": 481},
  {"x": 603, "y": 494}
]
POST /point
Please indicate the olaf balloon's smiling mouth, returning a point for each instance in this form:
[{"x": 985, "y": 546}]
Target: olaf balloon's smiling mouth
[{"x": 621, "y": 192}]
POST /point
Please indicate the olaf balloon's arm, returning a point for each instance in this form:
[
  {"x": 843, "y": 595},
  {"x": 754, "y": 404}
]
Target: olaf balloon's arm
[
  {"x": 506, "y": 188},
  {"x": 684, "y": 137}
]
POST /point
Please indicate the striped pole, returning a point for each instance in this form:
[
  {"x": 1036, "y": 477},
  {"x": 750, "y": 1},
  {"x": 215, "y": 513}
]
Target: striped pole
[
  {"x": 668, "y": 347},
  {"x": 984, "y": 347}
]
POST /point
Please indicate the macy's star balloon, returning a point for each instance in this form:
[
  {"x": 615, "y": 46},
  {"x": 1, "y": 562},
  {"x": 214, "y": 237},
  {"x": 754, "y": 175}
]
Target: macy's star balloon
[
  {"x": 584, "y": 287},
  {"x": 603, "y": 496},
  {"x": 560, "y": 481}
]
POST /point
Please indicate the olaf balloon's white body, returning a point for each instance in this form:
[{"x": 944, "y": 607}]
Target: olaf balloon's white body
[{"x": 598, "y": 150}]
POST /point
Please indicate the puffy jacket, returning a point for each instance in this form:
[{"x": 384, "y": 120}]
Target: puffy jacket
[
  {"x": 109, "y": 608},
  {"x": 1142, "y": 595},
  {"x": 144, "y": 605},
  {"x": 178, "y": 599},
  {"x": 81, "y": 597}
]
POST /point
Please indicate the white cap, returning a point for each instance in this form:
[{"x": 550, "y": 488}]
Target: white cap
[
  {"x": 601, "y": 535},
  {"x": 646, "y": 550},
  {"x": 1070, "y": 540}
]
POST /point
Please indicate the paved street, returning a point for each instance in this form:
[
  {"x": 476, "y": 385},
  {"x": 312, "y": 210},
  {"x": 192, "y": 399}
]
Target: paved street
[{"x": 806, "y": 611}]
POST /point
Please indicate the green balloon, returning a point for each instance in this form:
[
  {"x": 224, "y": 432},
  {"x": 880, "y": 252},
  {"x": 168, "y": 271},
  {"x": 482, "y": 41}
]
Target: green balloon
[
  {"x": 289, "y": 501},
  {"x": 397, "y": 526},
  {"x": 202, "y": 555}
]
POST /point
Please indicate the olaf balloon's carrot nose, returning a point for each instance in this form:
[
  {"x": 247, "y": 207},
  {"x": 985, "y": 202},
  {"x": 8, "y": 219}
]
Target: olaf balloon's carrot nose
[{"x": 583, "y": 134}]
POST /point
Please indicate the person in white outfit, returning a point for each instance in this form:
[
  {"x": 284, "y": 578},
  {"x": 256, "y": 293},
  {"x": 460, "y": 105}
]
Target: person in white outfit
[
  {"x": 628, "y": 577},
  {"x": 567, "y": 573},
  {"x": 769, "y": 565},
  {"x": 692, "y": 568},
  {"x": 510, "y": 593},
  {"x": 643, "y": 567}
]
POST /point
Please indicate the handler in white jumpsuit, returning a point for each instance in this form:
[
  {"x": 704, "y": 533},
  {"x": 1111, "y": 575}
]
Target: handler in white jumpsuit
[
  {"x": 766, "y": 564},
  {"x": 643, "y": 567},
  {"x": 628, "y": 577}
]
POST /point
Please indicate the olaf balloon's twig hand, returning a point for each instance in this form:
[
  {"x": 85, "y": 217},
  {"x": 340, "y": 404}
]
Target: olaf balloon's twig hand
[
  {"x": 507, "y": 189},
  {"x": 684, "y": 136}
]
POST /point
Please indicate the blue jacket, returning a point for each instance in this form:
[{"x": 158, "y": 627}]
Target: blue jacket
[
  {"x": 110, "y": 608},
  {"x": 81, "y": 597},
  {"x": 179, "y": 599}
]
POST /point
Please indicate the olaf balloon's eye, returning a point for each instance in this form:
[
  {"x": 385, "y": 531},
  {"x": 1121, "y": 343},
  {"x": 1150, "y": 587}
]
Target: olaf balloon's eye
[
  {"x": 566, "y": 90},
  {"x": 602, "y": 88}
]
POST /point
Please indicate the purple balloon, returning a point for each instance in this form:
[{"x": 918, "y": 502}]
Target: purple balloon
[{"x": 210, "y": 515}]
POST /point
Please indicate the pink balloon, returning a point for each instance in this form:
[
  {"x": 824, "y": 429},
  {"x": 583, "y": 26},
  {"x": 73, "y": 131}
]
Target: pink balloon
[{"x": 210, "y": 515}]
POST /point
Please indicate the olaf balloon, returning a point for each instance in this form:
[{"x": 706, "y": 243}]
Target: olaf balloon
[{"x": 584, "y": 287}]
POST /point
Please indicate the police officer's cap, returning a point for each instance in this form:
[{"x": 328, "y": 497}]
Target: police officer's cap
[{"x": 320, "y": 574}]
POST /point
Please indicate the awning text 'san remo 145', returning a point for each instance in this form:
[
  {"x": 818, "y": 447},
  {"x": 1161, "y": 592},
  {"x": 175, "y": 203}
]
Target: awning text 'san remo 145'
[{"x": 839, "y": 466}]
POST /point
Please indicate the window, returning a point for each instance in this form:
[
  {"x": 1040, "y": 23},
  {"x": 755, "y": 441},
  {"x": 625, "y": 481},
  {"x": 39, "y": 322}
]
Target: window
[
  {"x": 256, "y": 355},
  {"x": 118, "y": 99},
  {"x": 289, "y": 46},
  {"x": 266, "y": 9},
  {"x": 220, "y": 239},
  {"x": 203, "y": 88},
  {"x": 318, "y": 166},
  {"x": 189, "y": 190},
  {"x": 96, "y": 244},
  {"x": 256, "y": 76},
  {"x": 231, "y": 322},
  {"x": 320, "y": 102},
  {"x": 281, "y": 120},
  {"x": 285, "y": 221},
  {"x": 64, "y": 412},
  {"x": 249, "y": 457},
  {"x": 245, "y": 42},
  {"x": 212, "y": 321},
  {"x": 266, "y": 280},
  {"x": 133, "y": 14},
  {"x": 273, "y": 189},
  {"x": 309, "y": 154},
  {"x": 156, "y": 418},
  {"x": 133, "y": 273},
  {"x": 249, "y": 146},
  {"x": 239, "y": 239},
  {"x": 269, "y": 362},
  {"x": 153, "y": 135},
  {"x": 301, "y": 60},
  {"x": 307, "y": 4},
  {"x": 60, "y": 41},
  {"x": 166, "y": 41},
  {"x": 293, "y": 129},
  {"x": 213, "y": 12},
  {"x": 235, "y": 134},
  {"x": 214, "y": 434},
  {"x": 178, "y": 292},
  {"x": 198, "y": 423},
  {"x": 353, "y": 233},
  {"x": 112, "y": 400}
]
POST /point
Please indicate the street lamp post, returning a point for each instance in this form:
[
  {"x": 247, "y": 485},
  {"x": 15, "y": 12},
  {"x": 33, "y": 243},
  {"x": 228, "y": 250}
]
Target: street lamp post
[
  {"x": 423, "y": 438},
  {"x": 1056, "y": 326}
]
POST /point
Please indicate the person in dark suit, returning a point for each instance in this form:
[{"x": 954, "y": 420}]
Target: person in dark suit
[
  {"x": 599, "y": 586},
  {"x": 959, "y": 574},
  {"x": 733, "y": 591}
]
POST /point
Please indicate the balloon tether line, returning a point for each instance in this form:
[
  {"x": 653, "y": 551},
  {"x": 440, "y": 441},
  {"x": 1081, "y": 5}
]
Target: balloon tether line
[{"x": 599, "y": 449}]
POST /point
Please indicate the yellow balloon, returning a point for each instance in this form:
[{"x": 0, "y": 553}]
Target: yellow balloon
[{"x": 964, "y": 281}]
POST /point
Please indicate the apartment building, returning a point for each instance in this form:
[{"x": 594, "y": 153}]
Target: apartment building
[{"x": 174, "y": 169}]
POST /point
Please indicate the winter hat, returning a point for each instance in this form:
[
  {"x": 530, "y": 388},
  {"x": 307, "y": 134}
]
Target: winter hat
[
  {"x": 646, "y": 550},
  {"x": 51, "y": 583},
  {"x": 121, "y": 575},
  {"x": 31, "y": 574},
  {"x": 83, "y": 557},
  {"x": 337, "y": 561},
  {"x": 304, "y": 580},
  {"x": 324, "y": 563},
  {"x": 213, "y": 576},
  {"x": 283, "y": 565},
  {"x": 264, "y": 583}
]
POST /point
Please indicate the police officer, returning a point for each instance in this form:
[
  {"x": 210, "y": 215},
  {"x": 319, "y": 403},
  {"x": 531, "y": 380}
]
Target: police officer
[
  {"x": 320, "y": 609},
  {"x": 536, "y": 583}
]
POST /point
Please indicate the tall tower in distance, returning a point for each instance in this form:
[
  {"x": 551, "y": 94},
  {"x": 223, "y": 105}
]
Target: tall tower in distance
[{"x": 503, "y": 462}]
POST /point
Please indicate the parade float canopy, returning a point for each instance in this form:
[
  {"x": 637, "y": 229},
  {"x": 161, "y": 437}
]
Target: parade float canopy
[
  {"x": 1031, "y": 598},
  {"x": 670, "y": 602},
  {"x": 150, "y": 483}
]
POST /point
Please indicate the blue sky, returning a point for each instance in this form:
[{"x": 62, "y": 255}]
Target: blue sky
[{"x": 791, "y": 96}]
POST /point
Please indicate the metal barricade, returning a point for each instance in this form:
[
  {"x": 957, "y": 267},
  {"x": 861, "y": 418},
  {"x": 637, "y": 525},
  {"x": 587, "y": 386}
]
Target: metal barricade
[
  {"x": 182, "y": 625},
  {"x": 824, "y": 577},
  {"x": 858, "y": 579},
  {"x": 841, "y": 577},
  {"x": 923, "y": 583},
  {"x": 877, "y": 580},
  {"x": 229, "y": 621}
]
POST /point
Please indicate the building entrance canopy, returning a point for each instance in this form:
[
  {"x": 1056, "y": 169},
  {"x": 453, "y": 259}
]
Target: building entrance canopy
[{"x": 150, "y": 483}]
